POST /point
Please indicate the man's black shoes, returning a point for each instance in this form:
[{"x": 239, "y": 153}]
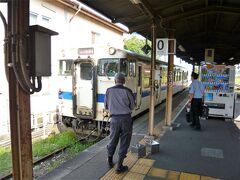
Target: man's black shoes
[{"x": 121, "y": 169}]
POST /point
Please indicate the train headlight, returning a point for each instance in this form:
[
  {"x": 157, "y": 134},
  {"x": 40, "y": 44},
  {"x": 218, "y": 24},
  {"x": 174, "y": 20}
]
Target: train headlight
[{"x": 112, "y": 50}]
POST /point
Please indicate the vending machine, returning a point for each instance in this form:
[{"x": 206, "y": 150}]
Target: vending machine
[{"x": 219, "y": 81}]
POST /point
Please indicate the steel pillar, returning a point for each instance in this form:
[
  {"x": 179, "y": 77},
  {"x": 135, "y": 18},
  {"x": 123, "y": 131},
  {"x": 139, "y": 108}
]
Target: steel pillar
[
  {"x": 152, "y": 81},
  {"x": 168, "y": 114}
]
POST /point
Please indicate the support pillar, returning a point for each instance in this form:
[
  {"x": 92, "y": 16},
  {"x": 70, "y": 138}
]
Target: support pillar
[
  {"x": 152, "y": 81},
  {"x": 19, "y": 100},
  {"x": 168, "y": 114}
]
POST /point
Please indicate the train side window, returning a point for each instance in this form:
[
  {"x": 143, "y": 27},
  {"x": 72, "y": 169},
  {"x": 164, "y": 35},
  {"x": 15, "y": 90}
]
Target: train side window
[
  {"x": 65, "y": 67},
  {"x": 164, "y": 75},
  {"x": 124, "y": 66},
  {"x": 139, "y": 75},
  {"x": 86, "y": 71},
  {"x": 108, "y": 67},
  {"x": 132, "y": 68},
  {"x": 146, "y": 76}
]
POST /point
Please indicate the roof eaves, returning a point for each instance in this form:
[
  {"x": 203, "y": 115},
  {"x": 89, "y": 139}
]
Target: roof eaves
[{"x": 87, "y": 12}]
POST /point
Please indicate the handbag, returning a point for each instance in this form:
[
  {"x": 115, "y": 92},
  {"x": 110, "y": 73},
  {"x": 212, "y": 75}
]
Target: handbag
[
  {"x": 188, "y": 114},
  {"x": 204, "y": 111}
]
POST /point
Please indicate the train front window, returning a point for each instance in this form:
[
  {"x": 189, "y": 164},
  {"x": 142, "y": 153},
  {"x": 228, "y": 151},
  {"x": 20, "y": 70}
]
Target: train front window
[
  {"x": 86, "y": 71},
  {"x": 108, "y": 67},
  {"x": 65, "y": 67}
]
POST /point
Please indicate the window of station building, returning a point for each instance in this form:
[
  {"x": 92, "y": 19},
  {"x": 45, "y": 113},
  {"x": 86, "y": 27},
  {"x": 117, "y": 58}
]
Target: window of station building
[
  {"x": 132, "y": 68},
  {"x": 86, "y": 71},
  {"x": 45, "y": 21},
  {"x": 33, "y": 18},
  {"x": 65, "y": 67},
  {"x": 108, "y": 66},
  {"x": 95, "y": 37}
]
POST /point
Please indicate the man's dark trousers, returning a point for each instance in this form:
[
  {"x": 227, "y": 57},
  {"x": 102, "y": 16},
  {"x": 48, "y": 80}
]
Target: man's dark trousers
[
  {"x": 196, "y": 108},
  {"x": 120, "y": 128}
]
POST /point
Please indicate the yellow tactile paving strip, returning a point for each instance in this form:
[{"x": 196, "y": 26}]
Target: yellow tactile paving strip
[
  {"x": 142, "y": 166},
  {"x": 175, "y": 175},
  {"x": 133, "y": 176},
  {"x": 208, "y": 178},
  {"x": 139, "y": 168},
  {"x": 145, "y": 162},
  {"x": 188, "y": 176},
  {"x": 129, "y": 161},
  {"x": 162, "y": 173}
]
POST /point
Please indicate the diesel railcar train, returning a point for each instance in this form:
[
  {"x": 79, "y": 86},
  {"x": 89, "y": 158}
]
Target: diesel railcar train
[{"x": 85, "y": 78}]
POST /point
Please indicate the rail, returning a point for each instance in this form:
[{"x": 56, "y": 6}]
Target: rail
[{"x": 42, "y": 159}]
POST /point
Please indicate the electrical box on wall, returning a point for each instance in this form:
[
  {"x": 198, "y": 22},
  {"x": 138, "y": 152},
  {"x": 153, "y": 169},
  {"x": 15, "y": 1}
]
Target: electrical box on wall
[{"x": 40, "y": 44}]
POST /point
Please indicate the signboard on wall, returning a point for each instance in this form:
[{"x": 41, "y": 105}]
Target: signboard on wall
[{"x": 209, "y": 55}]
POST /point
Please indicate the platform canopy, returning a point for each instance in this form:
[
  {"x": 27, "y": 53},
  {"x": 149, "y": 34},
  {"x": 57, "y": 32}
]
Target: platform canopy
[{"x": 197, "y": 24}]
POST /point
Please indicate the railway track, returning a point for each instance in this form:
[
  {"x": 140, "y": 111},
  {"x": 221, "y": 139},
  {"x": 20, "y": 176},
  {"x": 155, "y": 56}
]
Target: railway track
[
  {"x": 42, "y": 159},
  {"x": 39, "y": 161}
]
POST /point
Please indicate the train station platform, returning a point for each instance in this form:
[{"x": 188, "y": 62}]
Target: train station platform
[{"x": 185, "y": 154}]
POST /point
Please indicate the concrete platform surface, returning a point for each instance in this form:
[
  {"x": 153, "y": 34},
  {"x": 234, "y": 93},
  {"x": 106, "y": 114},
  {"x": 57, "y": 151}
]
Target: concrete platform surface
[{"x": 185, "y": 154}]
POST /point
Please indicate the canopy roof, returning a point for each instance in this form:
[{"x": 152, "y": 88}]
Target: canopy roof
[{"x": 196, "y": 24}]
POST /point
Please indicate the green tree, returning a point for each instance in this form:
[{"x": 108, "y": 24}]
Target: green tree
[{"x": 134, "y": 44}]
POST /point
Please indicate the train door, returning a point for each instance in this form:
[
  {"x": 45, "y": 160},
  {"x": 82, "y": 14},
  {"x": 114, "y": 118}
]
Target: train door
[
  {"x": 139, "y": 87},
  {"x": 84, "y": 89}
]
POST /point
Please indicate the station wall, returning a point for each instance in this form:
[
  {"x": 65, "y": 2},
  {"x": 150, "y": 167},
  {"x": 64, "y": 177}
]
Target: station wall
[{"x": 74, "y": 32}]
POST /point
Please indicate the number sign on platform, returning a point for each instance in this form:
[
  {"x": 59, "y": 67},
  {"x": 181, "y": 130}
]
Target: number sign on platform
[{"x": 162, "y": 46}]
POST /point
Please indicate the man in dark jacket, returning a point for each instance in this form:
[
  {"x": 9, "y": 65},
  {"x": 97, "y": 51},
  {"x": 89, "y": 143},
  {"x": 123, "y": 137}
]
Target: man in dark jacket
[{"x": 119, "y": 100}]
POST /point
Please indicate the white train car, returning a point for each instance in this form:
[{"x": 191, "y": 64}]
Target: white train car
[{"x": 86, "y": 78}]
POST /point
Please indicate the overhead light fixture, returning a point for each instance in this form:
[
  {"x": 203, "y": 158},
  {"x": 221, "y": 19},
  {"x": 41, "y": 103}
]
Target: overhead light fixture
[
  {"x": 231, "y": 58},
  {"x": 181, "y": 48},
  {"x": 191, "y": 58},
  {"x": 135, "y": 1}
]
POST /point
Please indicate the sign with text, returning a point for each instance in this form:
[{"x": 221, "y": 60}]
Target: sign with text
[
  {"x": 162, "y": 46},
  {"x": 209, "y": 55}
]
